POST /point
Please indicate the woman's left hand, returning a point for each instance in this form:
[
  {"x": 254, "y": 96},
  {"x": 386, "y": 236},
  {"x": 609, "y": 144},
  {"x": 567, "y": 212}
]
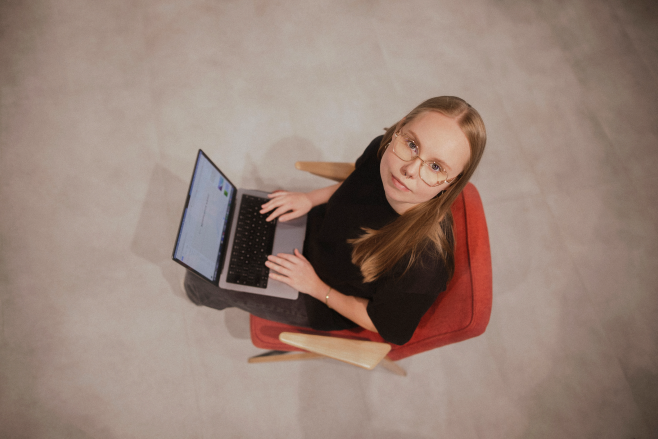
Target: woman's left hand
[{"x": 296, "y": 271}]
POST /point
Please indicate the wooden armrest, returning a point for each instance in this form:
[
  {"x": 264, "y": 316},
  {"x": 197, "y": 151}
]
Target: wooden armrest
[
  {"x": 337, "y": 171},
  {"x": 366, "y": 354}
]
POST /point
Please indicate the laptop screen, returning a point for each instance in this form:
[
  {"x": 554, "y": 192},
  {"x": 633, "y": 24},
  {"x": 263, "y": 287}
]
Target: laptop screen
[{"x": 205, "y": 218}]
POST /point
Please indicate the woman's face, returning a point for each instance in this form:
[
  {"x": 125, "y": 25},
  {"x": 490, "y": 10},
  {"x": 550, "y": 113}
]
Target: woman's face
[{"x": 439, "y": 139}]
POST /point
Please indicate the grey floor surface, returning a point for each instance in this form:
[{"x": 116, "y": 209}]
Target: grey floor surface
[{"x": 103, "y": 105}]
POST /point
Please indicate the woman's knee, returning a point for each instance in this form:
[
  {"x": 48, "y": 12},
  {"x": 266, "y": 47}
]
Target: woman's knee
[{"x": 203, "y": 293}]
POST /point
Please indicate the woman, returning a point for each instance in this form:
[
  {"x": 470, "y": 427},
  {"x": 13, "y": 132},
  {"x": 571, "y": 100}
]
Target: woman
[{"x": 379, "y": 246}]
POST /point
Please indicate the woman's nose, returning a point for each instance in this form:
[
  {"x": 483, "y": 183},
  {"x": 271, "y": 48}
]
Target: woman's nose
[{"x": 410, "y": 169}]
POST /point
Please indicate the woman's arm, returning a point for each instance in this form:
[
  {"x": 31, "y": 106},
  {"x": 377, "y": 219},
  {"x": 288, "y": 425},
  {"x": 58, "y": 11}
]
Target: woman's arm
[
  {"x": 296, "y": 203},
  {"x": 354, "y": 308},
  {"x": 296, "y": 271}
]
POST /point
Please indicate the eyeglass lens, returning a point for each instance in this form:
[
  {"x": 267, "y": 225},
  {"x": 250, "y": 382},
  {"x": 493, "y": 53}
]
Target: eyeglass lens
[{"x": 407, "y": 150}]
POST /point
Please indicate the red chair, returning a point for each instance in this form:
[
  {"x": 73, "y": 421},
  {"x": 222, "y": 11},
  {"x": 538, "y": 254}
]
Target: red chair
[{"x": 459, "y": 313}]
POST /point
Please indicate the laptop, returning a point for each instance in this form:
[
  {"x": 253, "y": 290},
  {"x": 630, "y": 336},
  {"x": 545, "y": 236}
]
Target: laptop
[{"x": 224, "y": 239}]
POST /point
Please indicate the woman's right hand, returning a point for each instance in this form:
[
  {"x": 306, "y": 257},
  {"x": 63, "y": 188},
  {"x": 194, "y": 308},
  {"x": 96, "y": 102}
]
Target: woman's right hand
[{"x": 286, "y": 205}]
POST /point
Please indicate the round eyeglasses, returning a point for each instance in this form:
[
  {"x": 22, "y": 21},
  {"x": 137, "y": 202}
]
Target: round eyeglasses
[{"x": 431, "y": 173}]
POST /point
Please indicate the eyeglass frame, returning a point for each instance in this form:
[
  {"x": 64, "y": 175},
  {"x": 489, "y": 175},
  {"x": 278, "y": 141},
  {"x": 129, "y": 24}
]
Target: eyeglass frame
[{"x": 422, "y": 162}]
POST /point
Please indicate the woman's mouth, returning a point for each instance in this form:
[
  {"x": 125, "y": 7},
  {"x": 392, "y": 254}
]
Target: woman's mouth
[{"x": 398, "y": 184}]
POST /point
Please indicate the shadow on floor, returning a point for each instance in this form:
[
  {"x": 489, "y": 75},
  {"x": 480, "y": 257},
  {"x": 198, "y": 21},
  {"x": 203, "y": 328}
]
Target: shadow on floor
[{"x": 158, "y": 224}]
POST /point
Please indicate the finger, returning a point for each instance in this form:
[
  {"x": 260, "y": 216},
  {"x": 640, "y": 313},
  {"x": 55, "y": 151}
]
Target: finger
[
  {"x": 282, "y": 261},
  {"x": 277, "y": 263},
  {"x": 271, "y": 204},
  {"x": 300, "y": 255},
  {"x": 288, "y": 257},
  {"x": 283, "y": 271},
  {"x": 279, "y": 211},
  {"x": 276, "y": 193},
  {"x": 290, "y": 262},
  {"x": 266, "y": 208}
]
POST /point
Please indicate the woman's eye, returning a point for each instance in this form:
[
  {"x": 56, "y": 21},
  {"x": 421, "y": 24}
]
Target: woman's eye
[
  {"x": 435, "y": 167},
  {"x": 412, "y": 146}
]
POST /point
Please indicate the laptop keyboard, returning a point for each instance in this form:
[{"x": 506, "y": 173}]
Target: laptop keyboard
[{"x": 254, "y": 238}]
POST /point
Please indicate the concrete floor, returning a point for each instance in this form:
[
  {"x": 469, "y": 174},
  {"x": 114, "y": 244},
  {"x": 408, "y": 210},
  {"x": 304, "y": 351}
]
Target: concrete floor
[{"x": 103, "y": 105}]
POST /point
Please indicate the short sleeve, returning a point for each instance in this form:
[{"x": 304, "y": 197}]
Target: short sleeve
[
  {"x": 370, "y": 152},
  {"x": 400, "y": 302}
]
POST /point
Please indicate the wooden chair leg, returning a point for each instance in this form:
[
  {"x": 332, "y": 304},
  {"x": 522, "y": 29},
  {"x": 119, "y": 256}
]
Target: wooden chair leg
[
  {"x": 272, "y": 356},
  {"x": 392, "y": 366}
]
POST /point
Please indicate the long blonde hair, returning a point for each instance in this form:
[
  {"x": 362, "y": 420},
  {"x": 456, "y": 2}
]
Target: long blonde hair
[{"x": 428, "y": 225}]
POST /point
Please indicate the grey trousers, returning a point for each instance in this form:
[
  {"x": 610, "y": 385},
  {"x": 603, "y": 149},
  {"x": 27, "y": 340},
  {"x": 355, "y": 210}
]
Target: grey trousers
[{"x": 203, "y": 293}]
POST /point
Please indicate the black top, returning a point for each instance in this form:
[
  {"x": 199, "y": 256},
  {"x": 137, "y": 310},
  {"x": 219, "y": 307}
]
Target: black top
[{"x": 398, "y": 300}]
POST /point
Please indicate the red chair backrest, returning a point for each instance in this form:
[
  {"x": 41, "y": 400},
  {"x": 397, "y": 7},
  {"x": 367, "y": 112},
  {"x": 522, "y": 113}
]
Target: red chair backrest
[{"x": 463, "y": 310}]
